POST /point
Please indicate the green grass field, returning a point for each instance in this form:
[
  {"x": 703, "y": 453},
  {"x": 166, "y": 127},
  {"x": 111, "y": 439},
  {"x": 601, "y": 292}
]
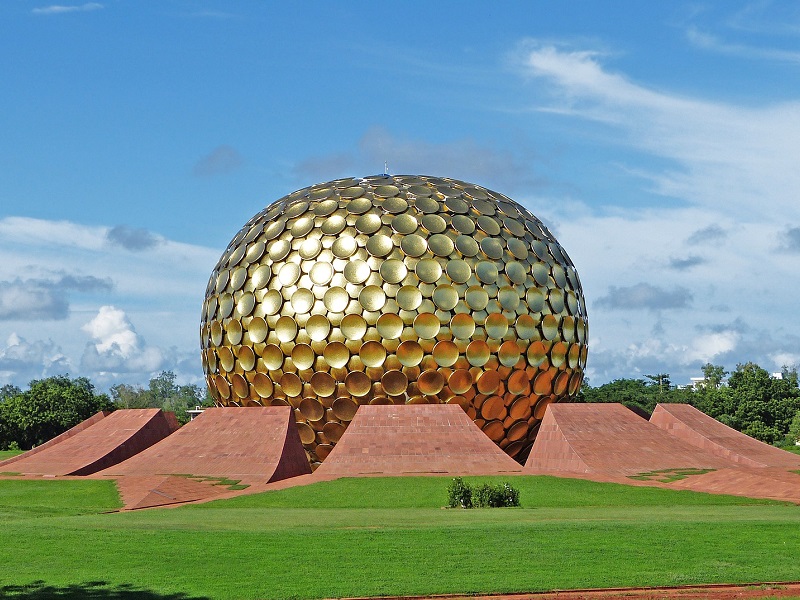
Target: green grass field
[
  {"x": 366, "y": 537},
  {"x": 4, "y": 454}
]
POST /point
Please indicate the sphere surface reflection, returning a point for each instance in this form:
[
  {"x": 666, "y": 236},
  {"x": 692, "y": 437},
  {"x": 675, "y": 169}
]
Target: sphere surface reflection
[{"x": 395, "y": 290}]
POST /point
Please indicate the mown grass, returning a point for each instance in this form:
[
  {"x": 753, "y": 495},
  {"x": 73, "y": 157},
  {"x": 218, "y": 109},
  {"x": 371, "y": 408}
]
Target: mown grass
[
  {"x": 366, "y": 537},
  {"x": 4, "y": 454}
]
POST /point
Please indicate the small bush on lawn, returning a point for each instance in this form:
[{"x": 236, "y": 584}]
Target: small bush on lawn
[{"x": 460, "y": 494}]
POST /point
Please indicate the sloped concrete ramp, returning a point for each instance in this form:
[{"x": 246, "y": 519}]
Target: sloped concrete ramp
[
  {"x": 255, "y": 445},
  {"x": 609, "y": 438},
  {"x": 696, "y": 428},
  {"x": 99, "y": 442},
  {"x": 414, "y": 439}
]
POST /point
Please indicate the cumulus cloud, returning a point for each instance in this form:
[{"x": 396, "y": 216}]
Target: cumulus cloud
[
  {"x": 115, "y": 345},
  {"x": 57, "y": 9},
  {"x": 22, "y": 361},
  {"x": 644, "y": 296},
  {"x": 130, "y": 238},
  {"x": 56, "y": 275},
  {"x": 462, "y": 159},
  {"x": 45, "y": 299},
  {"x": 707, "y": 347},
  {"x": 221, "y": 161}
]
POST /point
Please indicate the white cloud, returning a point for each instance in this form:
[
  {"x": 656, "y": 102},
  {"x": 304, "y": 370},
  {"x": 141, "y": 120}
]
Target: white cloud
[
  {"x": 111, "y": 330},
  {"x": 724, "y": 156},
  {"x": 57, "y": 9},
  {"x": 116, "y": 347},
  {"x": 57, "y": 277},
  {"x": 712, "y": 43},
  {"x": 730, "y": 240},
  {"x": 44, "y": 299},
  {"x": 785, "y": 359},
  {"x": 22, "y": 361},
  {"x": 705, "y": 348}
]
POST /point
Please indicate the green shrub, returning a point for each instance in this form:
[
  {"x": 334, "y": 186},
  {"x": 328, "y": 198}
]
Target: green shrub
[
  {"x": 460, "y": 494},
  {"x": 493, "y": 496}
]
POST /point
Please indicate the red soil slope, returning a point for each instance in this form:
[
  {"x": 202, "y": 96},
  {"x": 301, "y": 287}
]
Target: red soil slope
[
  {"x": 609, "y": 438},
  {"x": 692, "y": 426},
  {"x": 414, "y": 439},
  {"x": 255, "y": 445},
  {"x": 98, "y": 443}
]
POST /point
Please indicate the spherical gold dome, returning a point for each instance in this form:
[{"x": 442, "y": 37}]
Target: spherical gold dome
[{"x": 394, "y": 290}]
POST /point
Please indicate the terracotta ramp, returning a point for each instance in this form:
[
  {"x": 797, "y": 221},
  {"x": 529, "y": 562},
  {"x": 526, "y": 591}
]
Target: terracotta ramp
[
  {"x": 609, "y": 438},
  {"x": 694, "y": 427},
  {"x": 255, "y": 445},
  {"x": 414, "y": 439},
  {"x": 101, "y": 441}
]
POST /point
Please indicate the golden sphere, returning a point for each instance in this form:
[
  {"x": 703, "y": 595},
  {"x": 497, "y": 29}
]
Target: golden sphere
[{"x": 395, "y": 290}]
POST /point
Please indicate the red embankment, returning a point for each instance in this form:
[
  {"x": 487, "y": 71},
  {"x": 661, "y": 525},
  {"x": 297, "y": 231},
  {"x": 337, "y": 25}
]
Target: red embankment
[
  {"x": 755, "y": 482},
  {"x": 609, "y": 438},
  {"x": 255, "y": 445},
  {"x": 97, "y": 443},
  {"x": 694, "y": 427},
  {"x": 59, "y": 438},
  {"x": 414, "y": 439}
]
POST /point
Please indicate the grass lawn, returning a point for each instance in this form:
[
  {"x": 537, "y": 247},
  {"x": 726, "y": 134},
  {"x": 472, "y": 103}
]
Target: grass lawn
[
  {"x": 361, "y": 537},
  {"x": 4, "y": 454}
]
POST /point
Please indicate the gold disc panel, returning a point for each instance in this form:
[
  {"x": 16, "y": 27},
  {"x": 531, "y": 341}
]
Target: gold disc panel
[{"x": 395, "y": 290}]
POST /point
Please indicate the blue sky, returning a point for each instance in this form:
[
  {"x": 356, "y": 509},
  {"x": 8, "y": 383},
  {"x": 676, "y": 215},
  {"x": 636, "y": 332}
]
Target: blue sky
[{"x": 659, "y": 141}]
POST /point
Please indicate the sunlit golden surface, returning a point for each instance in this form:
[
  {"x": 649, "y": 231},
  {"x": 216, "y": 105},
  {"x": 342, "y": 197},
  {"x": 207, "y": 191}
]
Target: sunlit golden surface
[{"x": 395, "y": 289}]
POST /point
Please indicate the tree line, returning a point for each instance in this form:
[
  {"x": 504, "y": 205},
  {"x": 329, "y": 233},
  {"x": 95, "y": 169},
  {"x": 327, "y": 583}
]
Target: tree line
[
  {"x": 51, "y": 406},
  {"x": 751, "y": 400}
]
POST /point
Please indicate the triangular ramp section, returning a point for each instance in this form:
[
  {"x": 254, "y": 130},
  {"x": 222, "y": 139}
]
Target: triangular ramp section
[
  {"x": 414, "y": 439},
  {"x": 99, "y": 442},
  {"x": 254, "y": 445},
  {"x": 150, "y": 491},
  {"x": 609, "y": 438},
  {"x": 694, "y": 427},
  {"x": 762, "y": 482}
]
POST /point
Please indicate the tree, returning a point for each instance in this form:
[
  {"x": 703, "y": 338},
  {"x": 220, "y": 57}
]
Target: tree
[
  {"x": 794, "y": 429},
  {"x": 48, "y": 408},
  {"x": 662, "y": 379},
  {"x": 9, "y": 391},
  {"x": 162, "y": 392},
  {"x": 753, "y": 402},
  {"x": 713, "y": 375}
]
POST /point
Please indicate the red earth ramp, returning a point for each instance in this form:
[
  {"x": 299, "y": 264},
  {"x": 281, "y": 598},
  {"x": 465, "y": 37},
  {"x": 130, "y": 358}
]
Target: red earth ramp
[
  {"x": 694, "y": 427},
  {"x": 414, "y": 439},
  {"x": 609, "y": 438},
  {"x": 254, "y": 445},
  {"x": 99, "y": 442},
  {"x": 59, "y": 438}
]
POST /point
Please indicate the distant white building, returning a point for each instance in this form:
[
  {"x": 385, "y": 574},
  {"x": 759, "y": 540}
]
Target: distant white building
[{"x": 194, "y": 412}]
